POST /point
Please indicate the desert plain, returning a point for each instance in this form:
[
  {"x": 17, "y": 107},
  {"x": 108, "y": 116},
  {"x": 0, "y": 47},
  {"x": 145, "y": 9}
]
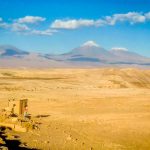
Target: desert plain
[{"x": 82, "y": 109}]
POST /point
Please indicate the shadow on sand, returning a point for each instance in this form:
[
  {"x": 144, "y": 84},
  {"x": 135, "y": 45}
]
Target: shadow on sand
[
  {"x": 42, "y": 116},
  {"x": 11, "y": 144}
]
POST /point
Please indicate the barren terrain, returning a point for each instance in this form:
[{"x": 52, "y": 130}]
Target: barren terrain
[{"x": 83, "y": 109}]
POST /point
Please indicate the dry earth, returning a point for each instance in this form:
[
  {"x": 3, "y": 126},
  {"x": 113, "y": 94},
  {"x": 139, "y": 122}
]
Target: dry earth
[{"x": 83, "y": 109}]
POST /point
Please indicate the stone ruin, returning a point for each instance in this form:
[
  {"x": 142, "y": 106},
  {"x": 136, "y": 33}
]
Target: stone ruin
[
  {"x": 16, "y": 116},
  {"x": 17, "y": 107}
]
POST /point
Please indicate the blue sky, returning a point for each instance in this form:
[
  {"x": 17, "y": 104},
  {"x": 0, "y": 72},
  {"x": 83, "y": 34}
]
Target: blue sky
[{"x": 57, "y": 26}]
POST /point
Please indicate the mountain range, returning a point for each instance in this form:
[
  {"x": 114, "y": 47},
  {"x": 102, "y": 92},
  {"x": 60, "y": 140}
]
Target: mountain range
[{"x": 89, "y": 54}]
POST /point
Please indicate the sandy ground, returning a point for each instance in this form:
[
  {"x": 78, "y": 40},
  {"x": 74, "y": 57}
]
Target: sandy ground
[{"x": 83, "y": 109}]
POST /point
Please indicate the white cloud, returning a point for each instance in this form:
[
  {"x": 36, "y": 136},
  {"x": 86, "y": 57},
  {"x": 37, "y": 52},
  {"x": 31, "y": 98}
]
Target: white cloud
[
  {"x": 71, "y": 24},
  {"x": 23, "y": 24},
  {"x": 119, "y": 49},
  {"x": 131, "y": 17},
  {"x": 30, "y": 19},
  {"x": 19, "y": 27},
  {"x": 147, "y": 15},
  {"x": 100, "y": 22},
  {"x": 47, "y": 32},
  {"x": 4, "y": 25}
]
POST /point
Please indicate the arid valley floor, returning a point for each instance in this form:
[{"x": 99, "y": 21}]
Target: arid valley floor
[{"x": 83, "y": 109}]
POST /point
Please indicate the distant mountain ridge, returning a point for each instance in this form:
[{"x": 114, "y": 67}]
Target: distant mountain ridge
[
  {"x": 8, "y": 50},
  {"x": 89, "y": 54}
]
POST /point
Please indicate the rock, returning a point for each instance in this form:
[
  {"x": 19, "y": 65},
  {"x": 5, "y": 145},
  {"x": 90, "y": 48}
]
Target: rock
[
  {"x": 23, "y": 145},
  {"x": 3, "y": 148},
  {"x": 16, "y": 136},
  {"x": 9, "y": 137},
  {"x": 46, "y": 142},
  {"x": 14, "y": 119},
  {"x": 1, "y": 141},
  {"x": 68, "y": 138}
]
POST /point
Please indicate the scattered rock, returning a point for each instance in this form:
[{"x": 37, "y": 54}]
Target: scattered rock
[
  {"x": 46, "y": 142},
  {"x": 16, "y": 136},
  {"x": 3, "y": 148},
  {"x": 14, "y": 119},
  {"x": 68, "y": 138},
  {"x": 1, "y": 141},
  {"x": 23, "y": 145}
]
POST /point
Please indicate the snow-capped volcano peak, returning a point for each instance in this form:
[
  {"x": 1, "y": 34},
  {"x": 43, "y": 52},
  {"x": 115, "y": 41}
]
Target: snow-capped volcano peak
[{"x": 90, "y": 44}]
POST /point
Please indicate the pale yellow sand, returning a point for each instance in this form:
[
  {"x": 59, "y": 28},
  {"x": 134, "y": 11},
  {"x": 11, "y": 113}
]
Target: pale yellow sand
[{"x": 83, "y": 109}]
